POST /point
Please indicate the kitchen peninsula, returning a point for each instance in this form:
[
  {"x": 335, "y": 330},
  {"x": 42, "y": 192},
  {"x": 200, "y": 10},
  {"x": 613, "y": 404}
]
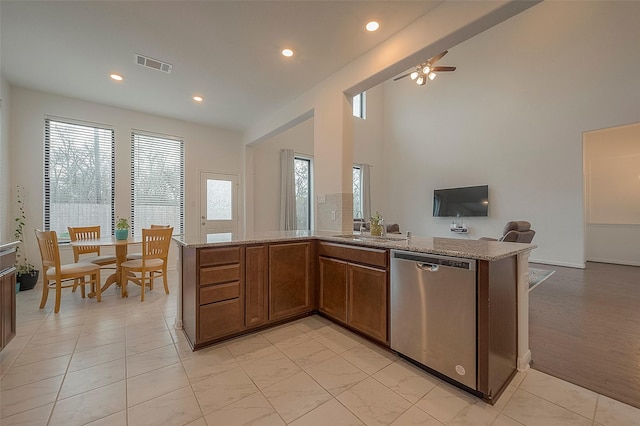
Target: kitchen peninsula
[{"x": 232, "y": 285}]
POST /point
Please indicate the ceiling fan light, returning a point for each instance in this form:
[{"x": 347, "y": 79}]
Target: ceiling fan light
[
  {"x": 420, "y": 81},
  {"x": 426, "y": 69},
  {"x": 414, "y": 75},
  {"x": 432, "y": 75}
]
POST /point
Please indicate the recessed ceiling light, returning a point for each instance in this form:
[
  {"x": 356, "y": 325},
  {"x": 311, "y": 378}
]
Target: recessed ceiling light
[
  {"x": 198, "y": 98},
  {"x": 116, "y": 77},
  {"x": 372, "y": 26},
  {"x": 287, "y": 53}
]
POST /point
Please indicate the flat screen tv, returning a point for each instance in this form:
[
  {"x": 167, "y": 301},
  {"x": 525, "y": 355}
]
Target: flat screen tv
[{"x": 469, "y": 201}]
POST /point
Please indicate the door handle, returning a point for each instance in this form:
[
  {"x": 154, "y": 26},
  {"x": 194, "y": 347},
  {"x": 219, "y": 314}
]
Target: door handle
[{"x": 427, "y": 266}]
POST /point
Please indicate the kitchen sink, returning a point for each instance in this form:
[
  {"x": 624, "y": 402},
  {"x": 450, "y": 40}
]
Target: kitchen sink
[{"x": 359, "y": 237}]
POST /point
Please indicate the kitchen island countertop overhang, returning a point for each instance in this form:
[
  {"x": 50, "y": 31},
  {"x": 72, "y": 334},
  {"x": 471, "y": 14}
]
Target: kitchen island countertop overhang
[{"x": 465, "y": 248}]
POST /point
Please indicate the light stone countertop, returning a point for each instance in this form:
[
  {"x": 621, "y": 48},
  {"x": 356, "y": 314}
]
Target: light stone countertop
[{"x": 469, "y": 249}]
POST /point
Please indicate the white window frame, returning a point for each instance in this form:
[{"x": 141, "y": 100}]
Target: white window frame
[
  {"x": 359, "y": 105},
  {"x": 357, "y": 209},
  {"x": 76, "y": 147},
  {"x": 300, "y": 157},
  {"x": 171, "y": 143}
]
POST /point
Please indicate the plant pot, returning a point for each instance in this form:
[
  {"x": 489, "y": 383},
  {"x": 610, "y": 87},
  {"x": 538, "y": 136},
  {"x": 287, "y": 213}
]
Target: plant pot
[
  {"x": 28, "y": 281},
  {"x": 376, "y": 230},
  {"x": 122, "y": 234}
]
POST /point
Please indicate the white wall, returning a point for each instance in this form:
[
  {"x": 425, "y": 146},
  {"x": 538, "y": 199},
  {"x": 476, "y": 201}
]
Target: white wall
[
  {"x": 368, "y": 136},
  {"x": 206, "y": 149},
  {"x": 612, "y": 194},
  {"x": 266, "y": 172},
  {"x": 512, "y": 116},
  {"x": 447, "y": 24}
]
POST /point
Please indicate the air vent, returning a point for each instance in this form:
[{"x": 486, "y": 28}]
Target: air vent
[{"x": 153, "y": 63}]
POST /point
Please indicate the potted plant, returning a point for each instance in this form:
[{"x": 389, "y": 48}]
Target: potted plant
[
  {"x": 122, "y": 229},
  {"x": 27, "y": 274},
  {"x": 376, "y": 224}
]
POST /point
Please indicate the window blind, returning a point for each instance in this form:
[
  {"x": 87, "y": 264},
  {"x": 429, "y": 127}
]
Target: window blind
[
  {"x": 157, "y": 181},
  {"x": 79, "y": 175}
]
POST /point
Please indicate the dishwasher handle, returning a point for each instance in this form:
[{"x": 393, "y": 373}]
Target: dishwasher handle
[{"x": 431, "y": 267}]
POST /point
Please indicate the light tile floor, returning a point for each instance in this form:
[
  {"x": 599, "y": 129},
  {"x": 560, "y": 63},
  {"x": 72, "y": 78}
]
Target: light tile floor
[{"x": 120, "y": 362}]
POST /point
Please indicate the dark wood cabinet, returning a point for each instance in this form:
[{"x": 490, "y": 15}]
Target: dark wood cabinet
[
  {"x": 367, "y": 295},
  {"x": 333, "y": 288},
  {"x": 213, "y": 293},
  {"x": 354, "y": 287},
  {"x": 256, "y": 289},
  {"x": 7, "y": 297},
  {"x": 289, "y": 279}
]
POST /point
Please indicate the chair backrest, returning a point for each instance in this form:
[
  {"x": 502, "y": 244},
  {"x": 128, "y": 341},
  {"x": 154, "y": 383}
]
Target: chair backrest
[
  {"x": 155, "y": 243},
  {"x": 518, "y": 232},
  {"x": 160, "y": 226},
  {"x": 80, "y": 233},
  {"x": 48, "y": 244}
]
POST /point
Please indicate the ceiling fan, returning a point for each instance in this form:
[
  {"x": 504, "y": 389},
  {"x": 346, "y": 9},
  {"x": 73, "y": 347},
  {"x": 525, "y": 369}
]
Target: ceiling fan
[{"x": 426, "y": 70}]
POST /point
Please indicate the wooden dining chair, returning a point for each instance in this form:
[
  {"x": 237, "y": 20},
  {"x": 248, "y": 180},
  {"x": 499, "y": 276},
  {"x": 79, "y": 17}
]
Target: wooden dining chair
[
  {"x": 152, "y": 265},
  {"x": 133, "y": 256},
  {"x": 56, "y": 275},
  {"x": 80, "y": 233}
]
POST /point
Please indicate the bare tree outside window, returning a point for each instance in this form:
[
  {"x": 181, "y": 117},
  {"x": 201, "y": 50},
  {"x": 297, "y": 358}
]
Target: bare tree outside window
[
  {"x": 157, "y": 182},
  {"x": 79, "y": 176},
  {"x": 302, "y": 169},
  {"x": 357, "y": 193}
]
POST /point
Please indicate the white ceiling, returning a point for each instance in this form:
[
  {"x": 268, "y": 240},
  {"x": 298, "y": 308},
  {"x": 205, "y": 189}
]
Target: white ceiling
[{"x": 228, "y": 51}]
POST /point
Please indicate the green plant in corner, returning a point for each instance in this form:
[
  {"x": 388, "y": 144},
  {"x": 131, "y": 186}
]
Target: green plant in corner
[
  {"x": 122, "y": 223},
  {"x": 22, "y": 263}
]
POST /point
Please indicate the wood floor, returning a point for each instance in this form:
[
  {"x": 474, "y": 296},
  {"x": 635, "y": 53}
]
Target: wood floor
[{"x": 585, "y": 328}]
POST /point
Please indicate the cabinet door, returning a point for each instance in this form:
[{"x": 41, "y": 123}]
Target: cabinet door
[
  {"x": 367, "y": 300},
  {"x": 220, "y": 319},
  {"x": 333, "y": 288},
  {"x": 289, "y": 279},
  {"x": 256, "y": 286},
  {"x": 8, "y": 308}
]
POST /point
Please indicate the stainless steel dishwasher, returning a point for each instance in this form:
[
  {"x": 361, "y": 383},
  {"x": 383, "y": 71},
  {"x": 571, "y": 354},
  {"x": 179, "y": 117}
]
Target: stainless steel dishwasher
[{"x": 433, "y": 312}]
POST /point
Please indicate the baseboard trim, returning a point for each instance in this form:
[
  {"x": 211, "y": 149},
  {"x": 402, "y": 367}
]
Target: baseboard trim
[
  {"x": 615, "y": 262},
  {"x": 554, "y": 263},
  {"x": 524, "y": 361}
]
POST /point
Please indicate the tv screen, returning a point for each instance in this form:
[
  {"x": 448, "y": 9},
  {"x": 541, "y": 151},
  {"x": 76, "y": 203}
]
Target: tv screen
[{"x": 461, "y": 202}]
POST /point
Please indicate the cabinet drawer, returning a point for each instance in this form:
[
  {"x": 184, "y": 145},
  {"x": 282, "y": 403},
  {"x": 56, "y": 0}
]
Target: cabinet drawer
[
  {"x": 219, "y": 256},
  {"x": 219, "y": 274},
  {"x": 220, "y": 319},
  {"x": 366, "y": 255},
  {"x": 219, "y": 292}
]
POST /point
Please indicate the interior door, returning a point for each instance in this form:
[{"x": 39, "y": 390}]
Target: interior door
[{"x": 218, "y": 204}]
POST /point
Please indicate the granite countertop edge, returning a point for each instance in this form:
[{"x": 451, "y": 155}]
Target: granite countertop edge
[{"x": 464, "y": 248}]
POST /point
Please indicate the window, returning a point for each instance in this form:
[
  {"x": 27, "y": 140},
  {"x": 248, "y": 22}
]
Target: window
[
  {"x": 357, "y": 192},
  {"x": 157, "y": 182},
  {"x": 359, "y": 103},
  {"x": 302, "y": 168},
  {"x": 79, "y": 176}
]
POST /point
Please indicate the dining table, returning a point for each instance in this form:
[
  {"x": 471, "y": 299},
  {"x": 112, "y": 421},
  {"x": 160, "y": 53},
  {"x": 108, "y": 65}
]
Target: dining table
[{"x": 121, "y": 248}]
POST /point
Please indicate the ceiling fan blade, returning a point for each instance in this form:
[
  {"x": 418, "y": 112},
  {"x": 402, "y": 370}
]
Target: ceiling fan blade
[
  {"x": 440, "y": 69},
  {"x": 402, "y": 76},
  {"x": 437, "y": 57}
]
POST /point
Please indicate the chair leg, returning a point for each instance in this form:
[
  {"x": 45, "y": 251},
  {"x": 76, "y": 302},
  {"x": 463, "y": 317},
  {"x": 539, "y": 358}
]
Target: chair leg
[
  {"x": 45, "y": 292},
  {"x": 151, "y": 278},
  {"x": 82, "y": 285},
  {"x": 58, "y": 296},
  {"x": 97, "y": 290},
  {"x": 164, "y": 278},
  {"x": 142, "y": 286}
]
